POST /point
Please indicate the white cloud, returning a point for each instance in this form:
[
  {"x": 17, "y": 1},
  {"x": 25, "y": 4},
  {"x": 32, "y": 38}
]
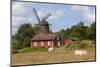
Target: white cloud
[
  {"x": 16, "y": 21},
  {"x": 85, "y": 12},
  {"x": 21, "y": 9},
  {"x": 90, "y": 16},
  {"x": 21, "y": 13},
  {"x": 80, "y": 8},
  {"x": 55, "y": 14}
]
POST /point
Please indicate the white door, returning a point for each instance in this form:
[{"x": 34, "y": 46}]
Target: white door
[{"x": 58, "y": 43}]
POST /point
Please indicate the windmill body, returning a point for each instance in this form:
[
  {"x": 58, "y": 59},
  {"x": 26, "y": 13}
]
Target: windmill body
[{"x": 43, "y": 25}]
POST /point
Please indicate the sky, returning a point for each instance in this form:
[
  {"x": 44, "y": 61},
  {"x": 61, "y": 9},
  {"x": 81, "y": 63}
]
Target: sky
[{"x": 63, "y": 16}]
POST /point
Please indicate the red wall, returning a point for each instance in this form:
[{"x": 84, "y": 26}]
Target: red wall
[
  {"x": 67, "y": 41},
  {"x": 46, "y": 44},
  {"x": 39, "y": 44}
]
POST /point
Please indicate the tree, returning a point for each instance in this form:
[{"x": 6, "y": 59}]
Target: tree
[
  {"x": 24, "y": 35},
  {"x": 62, "y": 33},
  {"x": 91, "y": 31},
  {"x": 78, "y": 31}
]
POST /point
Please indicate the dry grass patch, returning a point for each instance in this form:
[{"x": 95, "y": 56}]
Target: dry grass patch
[{"x": 59, "y": 55}]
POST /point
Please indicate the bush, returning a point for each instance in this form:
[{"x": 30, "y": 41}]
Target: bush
[
  {"x": 73, "y": 45},
  {"x": 31, "y": 49},
  {"x": 80, "y": 44},
  {"x": 87, "y": 43},
  {"x": 14, "y": 51}
]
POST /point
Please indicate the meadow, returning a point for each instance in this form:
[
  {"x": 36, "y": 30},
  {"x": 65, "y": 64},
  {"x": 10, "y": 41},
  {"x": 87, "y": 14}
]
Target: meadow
[{"x": 58, "y": 55}]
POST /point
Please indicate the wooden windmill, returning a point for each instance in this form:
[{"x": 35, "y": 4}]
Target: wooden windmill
[{"x": 43, "y": 25}]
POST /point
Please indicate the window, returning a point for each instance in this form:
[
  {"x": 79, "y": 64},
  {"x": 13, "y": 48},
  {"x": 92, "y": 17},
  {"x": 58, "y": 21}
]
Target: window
[
  {"x": 49, "y": 43},
  {"x": 42, "y": 43},
  {"x": 35, "y": 43}
]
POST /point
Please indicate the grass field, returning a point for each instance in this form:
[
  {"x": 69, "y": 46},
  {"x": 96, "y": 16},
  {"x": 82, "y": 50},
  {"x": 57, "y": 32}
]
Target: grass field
[{"x": 59, "y": 55}]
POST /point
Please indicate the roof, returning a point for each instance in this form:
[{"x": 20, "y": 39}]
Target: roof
[
  {"x": 44, "y": 37},
  {"x": 43, "y": 22}
]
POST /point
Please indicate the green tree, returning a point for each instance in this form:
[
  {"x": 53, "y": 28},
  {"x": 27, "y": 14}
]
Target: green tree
[
  {"x": 91, "y": 31},
  {"x": 24, "y": 35},
  {"x": 62, "y": 33},
  {"x": 78, "y": 31}
]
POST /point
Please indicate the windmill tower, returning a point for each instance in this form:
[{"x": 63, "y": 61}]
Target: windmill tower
[{"x": 43, "y": 25}]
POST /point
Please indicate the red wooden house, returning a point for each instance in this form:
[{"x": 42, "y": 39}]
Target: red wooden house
[{"x": 46, "y": 40}]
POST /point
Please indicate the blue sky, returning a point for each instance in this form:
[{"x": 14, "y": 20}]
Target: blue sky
[{"x": 62, "y": 16}]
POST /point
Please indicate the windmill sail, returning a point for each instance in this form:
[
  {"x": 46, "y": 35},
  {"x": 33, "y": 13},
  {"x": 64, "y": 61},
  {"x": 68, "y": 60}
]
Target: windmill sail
[
  {"x": 43, "y": 25},
  {"x": 36, "y": 15},
  {"x": 45, "y": 17}
]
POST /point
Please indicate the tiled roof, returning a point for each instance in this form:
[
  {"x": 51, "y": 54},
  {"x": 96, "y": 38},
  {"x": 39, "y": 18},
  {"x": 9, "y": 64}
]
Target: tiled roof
[{"x": 44, "y": 37}]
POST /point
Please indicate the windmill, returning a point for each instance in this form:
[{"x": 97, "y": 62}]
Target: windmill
[{"x": 43, "y": 25}]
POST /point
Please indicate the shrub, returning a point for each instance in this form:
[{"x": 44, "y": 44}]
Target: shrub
[
  {"x": 73, "y": 45},
  {"x": 80, "y": 44},
  {"x": 14, "y": 51},
  {"x": 87, "y": 43},
  {"x": 31, "y": 49}
]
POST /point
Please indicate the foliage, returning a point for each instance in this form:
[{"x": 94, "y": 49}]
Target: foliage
[
  {"x": 32, "y": 49},
  {"x": 73, "y": 45},
  {"x": 82, "y": 44},
  {"x": 23, "y": 36},
  {"x": 91, "y": 32},
  {"x": 62, "y": 33},
  {"x": 29, "y": 49},
  {"x": 37, "y": 30},
  {"x": 79, "y": 31},
  {"x": 14, "y": 51}
]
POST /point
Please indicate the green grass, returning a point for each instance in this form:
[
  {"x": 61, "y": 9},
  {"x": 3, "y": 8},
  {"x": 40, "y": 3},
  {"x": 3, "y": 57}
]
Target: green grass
[
  {"x": 29, "y": 49},
  {"x": 32, "y": 49}
]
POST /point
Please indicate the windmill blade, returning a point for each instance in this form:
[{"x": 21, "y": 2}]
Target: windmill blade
[
  {"x": 45, "y": 17},
  {"x": 36, "y": 15}
]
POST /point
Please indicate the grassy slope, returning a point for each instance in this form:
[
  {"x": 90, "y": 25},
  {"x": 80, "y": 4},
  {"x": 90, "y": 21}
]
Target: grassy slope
[{"x": 57, "y": 56}]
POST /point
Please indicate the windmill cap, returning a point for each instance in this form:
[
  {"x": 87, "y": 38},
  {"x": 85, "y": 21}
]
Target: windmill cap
[{"x": 44, "y": 22}]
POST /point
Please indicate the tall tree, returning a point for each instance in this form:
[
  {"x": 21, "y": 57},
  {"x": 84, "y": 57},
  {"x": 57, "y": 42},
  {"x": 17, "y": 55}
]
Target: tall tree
[
  {"x": 91, "y": 31},
  {"x": 62, "y": 33},
  {"x": 24, "y": 35},
  {"x": 78, "y": 31}
]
